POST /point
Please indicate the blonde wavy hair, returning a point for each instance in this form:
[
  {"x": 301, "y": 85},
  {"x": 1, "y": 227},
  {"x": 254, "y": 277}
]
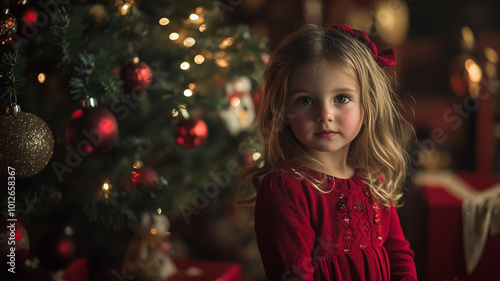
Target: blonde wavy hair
[{"x": 380, "y": 148}]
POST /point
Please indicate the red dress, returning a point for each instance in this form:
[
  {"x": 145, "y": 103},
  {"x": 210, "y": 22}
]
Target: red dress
[{"x": 303, "y": 234}]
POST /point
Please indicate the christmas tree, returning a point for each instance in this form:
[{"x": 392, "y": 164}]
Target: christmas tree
[{"x": 118, "y": 114}]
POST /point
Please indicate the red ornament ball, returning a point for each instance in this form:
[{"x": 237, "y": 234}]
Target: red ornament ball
[
  {"x": 92, "y": 130},
  {"x": 56, "y": 251},
  {"x": 13, "y": 235},
  {"x": 191, "y": 133},
  {"x": 136, "y": 78},
  {"x": 144, "y": 176}
]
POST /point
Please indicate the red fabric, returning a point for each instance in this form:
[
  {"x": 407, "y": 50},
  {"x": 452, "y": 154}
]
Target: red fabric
[
  {"x": 306, "y": 235},
  {"x": 444, "y": 258}
]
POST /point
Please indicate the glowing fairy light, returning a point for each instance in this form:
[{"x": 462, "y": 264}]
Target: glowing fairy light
[
  {"x": 191, "y": 86},
  {"x": 221, "y": 63},
  {"x": 124, "y": 9},
  {"x": 475, "y": 73},
  {"x": 235, "y": 101},
  {"x": 199, "y": 59},
  {"x": 189, "y": 42},
  {"x": 173, "y": 36},
  {"x": 256, "y": 156},
  {"x": 202, "y": 28},
  {"x": 188, "y": 93},
  {"x": 106, "y": 187},
  {"x": 164, "y": 21},
  {"x": 226, "y": 43},
  {"x": 41, "y": 77},
  {"x": 194, "y": 17},
  {"x": 185, "y": 65}
]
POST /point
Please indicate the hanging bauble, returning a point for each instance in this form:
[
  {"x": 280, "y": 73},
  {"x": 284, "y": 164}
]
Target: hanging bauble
[
  {"x": 56, "y": 251},
  {"x": 190, "y": 133},
  {"x": 8, "y": 26},
  {"x": 26, "y": 142},
  {"x": 144, "y": 177},
  {"x": 13, "y": 235},
  {"x": 92, "y": 129},
  {"x": 137, "y": 77}
]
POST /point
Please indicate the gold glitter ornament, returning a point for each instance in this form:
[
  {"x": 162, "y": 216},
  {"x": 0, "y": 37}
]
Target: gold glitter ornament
[{"x": 26, "y": 142}]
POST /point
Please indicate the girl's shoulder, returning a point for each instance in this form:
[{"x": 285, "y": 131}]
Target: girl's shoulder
[
  {"x": 283, "y": 176},
  {"x": 286, "y": 172}
]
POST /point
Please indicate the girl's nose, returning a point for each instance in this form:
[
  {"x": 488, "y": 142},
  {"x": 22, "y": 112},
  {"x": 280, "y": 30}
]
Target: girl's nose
[{"x": 325, "y": 115}]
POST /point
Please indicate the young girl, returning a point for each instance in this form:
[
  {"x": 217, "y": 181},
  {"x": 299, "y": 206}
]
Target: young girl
[{"x": 334, "y": 161}]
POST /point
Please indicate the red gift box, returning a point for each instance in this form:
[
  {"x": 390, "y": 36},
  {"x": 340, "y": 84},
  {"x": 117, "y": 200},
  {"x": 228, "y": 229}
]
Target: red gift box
[{"x": 444, "y": 194}]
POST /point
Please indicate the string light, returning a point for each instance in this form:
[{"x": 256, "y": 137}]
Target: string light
[
  {"x": 185, "y": 65},
  {"x": 153, "y": 231},
  {"x": 221, "y": 63},
  {"x": 226, "y": 43},
  {"x": 199, "y": 59},
  {"x": 194, "y": 17},
  {"x": 191, "y": 86},
  {"x": 256, "y": 156},
  {"x": 175, "y": 112},
  {"x": 164, "y": 21},
  {"x": 41, "y": 77},
  {"x": 173, "y": 36},
  {"x": 202, "y": 28},
  {"x": 106, "y": 187},
  {"x": 189, "y": 42},
  {"x": 188, "y": 93},
  {"x": 137, "y": 164},
  {"x": 235, "y": 101},
  {"x": 158, "y": 211}
]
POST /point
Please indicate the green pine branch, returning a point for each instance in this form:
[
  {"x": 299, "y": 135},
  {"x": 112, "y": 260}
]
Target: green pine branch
[{"x": 13, "y": 68}]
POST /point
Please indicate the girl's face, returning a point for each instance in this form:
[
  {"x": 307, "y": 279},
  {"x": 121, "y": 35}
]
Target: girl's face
[{"x": 324, "y": 109}]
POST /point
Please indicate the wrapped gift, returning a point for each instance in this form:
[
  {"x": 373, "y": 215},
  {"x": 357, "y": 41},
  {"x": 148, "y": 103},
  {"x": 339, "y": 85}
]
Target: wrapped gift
[{"x": 462, "y": 226}]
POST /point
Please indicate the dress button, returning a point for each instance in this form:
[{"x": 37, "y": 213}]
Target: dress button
[
  {"x": 376, "y": 220},
  {"x": 341, "y": 196},
  {"x": 375, "y": 206},
  {"x": 380, "y": 239},
  {"x": 347, "y": 219},
  {"x": 346, "y": 250},
  {"x": 341, "y": 206}
]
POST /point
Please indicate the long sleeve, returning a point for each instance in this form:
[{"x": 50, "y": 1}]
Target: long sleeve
[
  {"x": 398, "y": 249},
  {"x": 283, "y": 228}
]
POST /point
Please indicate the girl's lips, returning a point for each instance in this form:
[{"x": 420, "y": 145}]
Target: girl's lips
[{"x": 326, "y": 134}]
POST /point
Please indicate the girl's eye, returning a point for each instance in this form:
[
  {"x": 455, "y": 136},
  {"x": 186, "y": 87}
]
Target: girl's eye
[
  {"x": 305, "y": 100},
  {"x": 342, "y": 99}
]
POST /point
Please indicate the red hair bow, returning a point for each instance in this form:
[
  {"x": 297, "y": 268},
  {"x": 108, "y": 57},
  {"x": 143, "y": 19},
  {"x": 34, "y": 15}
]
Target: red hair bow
[{"x": 384, "y": 58}]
